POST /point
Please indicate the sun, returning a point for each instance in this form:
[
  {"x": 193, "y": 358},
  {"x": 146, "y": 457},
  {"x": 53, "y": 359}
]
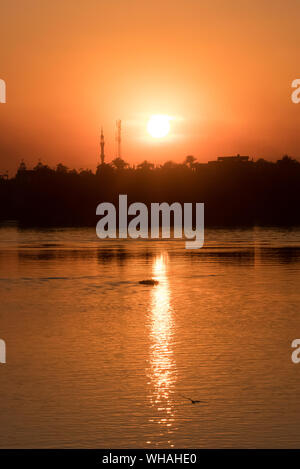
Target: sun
[{"x": 159, "y": 125}]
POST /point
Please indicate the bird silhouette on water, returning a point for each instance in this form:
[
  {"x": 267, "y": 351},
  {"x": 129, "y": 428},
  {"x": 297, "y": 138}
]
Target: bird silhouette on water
[{"x": 193, "y": 401}]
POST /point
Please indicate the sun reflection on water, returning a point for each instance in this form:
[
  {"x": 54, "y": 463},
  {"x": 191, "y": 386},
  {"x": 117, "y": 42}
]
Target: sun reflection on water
[{"x": 162, "y": 371}]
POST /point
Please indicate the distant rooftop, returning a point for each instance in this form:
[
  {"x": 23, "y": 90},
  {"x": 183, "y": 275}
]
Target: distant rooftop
[{"x": 238, "y": 157}]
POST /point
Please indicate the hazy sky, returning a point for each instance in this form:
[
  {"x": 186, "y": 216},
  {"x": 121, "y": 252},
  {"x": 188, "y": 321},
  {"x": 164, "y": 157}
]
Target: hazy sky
[{"x": 222, "y": 68}]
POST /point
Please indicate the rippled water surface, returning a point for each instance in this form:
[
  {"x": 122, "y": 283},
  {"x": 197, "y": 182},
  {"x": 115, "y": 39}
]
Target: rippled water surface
[{"x": 95, "y": 359}]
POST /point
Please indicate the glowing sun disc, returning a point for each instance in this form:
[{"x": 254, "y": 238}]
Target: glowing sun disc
[{"x": 158, "y": 126}]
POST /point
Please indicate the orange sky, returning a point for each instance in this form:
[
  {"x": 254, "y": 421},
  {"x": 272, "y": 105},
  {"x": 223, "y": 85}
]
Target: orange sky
[{"x": 223, "y": 69}]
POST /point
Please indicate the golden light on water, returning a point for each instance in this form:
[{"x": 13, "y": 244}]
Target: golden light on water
[{"x": 162, "y": 362}]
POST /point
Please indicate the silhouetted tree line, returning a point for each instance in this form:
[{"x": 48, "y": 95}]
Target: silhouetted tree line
[{"x": 234, "y": 192}]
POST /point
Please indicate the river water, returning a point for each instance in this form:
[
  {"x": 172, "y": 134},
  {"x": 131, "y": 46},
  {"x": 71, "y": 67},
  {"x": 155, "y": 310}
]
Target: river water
[{"x": 95, "y": 359}]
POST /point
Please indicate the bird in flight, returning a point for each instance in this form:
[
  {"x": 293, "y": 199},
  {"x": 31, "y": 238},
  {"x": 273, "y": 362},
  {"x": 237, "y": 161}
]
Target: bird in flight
[{"x": 193, "y": 401}]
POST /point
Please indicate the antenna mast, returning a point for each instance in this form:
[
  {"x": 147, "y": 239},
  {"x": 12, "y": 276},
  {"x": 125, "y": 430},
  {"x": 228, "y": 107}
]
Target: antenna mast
[
  {"x": 118, "y": 137},
  {"x": 102, "y": 143}
]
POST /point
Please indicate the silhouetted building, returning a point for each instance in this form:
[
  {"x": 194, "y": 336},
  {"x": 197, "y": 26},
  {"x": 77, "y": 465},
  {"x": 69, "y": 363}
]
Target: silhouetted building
[{"x": 230, "y": 159}]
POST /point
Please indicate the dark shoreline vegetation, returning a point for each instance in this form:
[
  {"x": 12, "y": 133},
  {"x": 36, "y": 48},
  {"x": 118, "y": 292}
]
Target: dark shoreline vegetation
[{"x": 235, "y": 192}]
